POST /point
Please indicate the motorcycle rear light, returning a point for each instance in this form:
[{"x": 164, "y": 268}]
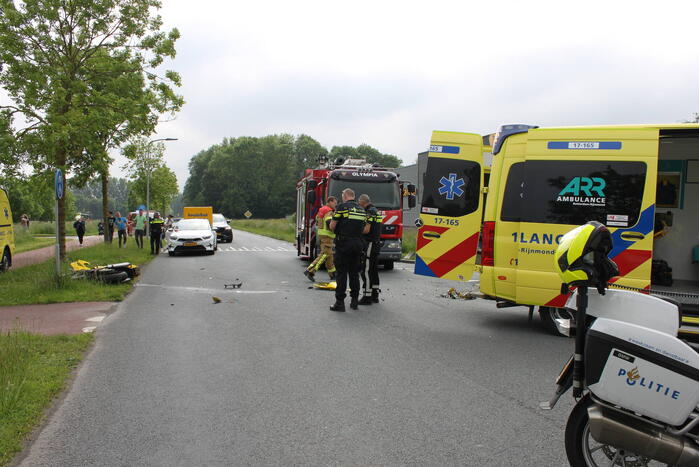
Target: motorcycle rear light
[{"x": 488, "y": 244}]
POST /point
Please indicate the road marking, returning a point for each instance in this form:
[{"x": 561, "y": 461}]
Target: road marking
[
  {"x": 256, "y": 249},
  {"x": 96, "y": 319},
  {"x": 206, "y": 290},
  {"x": 89, "y": 329}
]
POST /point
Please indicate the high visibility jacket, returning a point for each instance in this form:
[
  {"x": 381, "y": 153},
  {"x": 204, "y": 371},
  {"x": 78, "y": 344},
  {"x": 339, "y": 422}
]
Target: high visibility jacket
[
  {"x": 350, "y": 218},
  {"x": 374, "y": 219},
  {"x": 323, "y": 218}
]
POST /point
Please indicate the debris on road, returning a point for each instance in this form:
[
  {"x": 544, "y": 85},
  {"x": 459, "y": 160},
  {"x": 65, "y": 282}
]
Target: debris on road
[
  {"x": 216, "y": 299},
  {"x": 332, "y": 285},
  {"x": 454, "y": 294},
  {"x": 234, "y": 285}
]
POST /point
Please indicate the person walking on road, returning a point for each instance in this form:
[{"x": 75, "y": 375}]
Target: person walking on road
[
  {"x": 79, "y": 226},
  {"x": 110, "y": 226},
  {"x": 120, "y": 223},
  {"x": 140, "y": 231},
  {"x": 370, "y": 258},
  {"x": 156, "y": 231},
  {"x": 348, "y": 223},
  {"x": 325, "y": 238}
]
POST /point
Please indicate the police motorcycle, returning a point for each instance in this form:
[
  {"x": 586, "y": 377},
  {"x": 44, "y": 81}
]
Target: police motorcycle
[{"x": 636, "y": 383}]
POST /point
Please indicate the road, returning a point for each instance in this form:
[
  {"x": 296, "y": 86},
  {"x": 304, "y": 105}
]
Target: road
[{"x": 270, "y": 376}]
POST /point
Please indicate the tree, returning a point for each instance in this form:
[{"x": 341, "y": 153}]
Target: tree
[
  {"x": 80, "y": 74},
  {"x": 163, "y": 190}
]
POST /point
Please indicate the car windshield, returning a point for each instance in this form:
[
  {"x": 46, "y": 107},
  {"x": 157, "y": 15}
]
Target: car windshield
[
  {"x": 193, "y": 224},
  {"x": 383, "y": 195},
  {"x": 219, "y": 218}
]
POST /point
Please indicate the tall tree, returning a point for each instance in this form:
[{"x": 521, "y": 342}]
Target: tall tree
[{"x": 80, "y": 74}]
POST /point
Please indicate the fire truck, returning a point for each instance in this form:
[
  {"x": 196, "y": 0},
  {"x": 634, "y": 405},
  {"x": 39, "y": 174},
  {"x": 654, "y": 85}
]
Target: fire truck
[{"x": 383, "y": 186}]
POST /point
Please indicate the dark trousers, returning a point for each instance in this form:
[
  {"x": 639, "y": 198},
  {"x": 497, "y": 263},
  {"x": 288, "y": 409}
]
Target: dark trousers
[
  {"x": 155, "y": 243},
  {"x": 348, "y": 262},
  {"x": 139, "y": 233},
  {"x": 122, "y": 237},
  {"x": 370, "y": 268},
  {"x": 81, "y": 234},
  {"x": 111, "y": 234}
]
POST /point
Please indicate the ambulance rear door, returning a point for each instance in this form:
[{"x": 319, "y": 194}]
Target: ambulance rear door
[{"x": 452, "y": 205}]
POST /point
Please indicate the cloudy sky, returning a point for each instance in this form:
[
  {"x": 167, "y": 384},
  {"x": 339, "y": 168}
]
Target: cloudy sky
[{"x": 387, "y": 73}]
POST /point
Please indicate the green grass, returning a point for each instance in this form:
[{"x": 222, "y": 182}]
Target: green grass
[
  {"x": 409, "y": 239},
  {"x": 25, "y": 241},
  {"x": 281, "y": 229},
  {"x": 49, "y": 228},
  {"x": 33, "y": 371},
  {"x": 38, "y": 283}
]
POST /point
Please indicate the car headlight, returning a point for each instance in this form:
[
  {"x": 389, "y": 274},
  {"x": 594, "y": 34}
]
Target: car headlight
[
  {"x": 206, "y": 237},
  {"x": 173, "y": 237},
  {"x": 393, "y": 245},
  {"x": 228, "y": 227}
]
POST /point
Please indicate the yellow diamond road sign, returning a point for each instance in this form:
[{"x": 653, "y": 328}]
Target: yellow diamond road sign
[{"x": 247, "y": 214}]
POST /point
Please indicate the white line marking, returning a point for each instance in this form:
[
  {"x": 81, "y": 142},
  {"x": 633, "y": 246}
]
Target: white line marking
[
  {"x": 206, "y": 290},
  {"x": 89, "y": 329},
  {"x": 95, "y": 319}
]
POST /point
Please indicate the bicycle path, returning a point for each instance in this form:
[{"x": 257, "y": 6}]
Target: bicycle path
[{"x": 40, "y": 255}]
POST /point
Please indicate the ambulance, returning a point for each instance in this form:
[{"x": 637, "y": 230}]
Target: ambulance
[
  {"x": 641, "y": 181},
  {"x": 7, "y": 236}
]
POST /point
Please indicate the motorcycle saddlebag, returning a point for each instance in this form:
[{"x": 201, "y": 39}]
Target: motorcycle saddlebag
[{"x": 643, "y": 370}]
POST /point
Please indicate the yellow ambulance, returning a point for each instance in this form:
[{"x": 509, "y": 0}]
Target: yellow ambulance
[
  {"x": 641, "y": 181},
  {"x": 7, "y": 236}
]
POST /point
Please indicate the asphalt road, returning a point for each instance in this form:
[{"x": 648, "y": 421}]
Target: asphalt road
[{"x": 270, "y": 376}]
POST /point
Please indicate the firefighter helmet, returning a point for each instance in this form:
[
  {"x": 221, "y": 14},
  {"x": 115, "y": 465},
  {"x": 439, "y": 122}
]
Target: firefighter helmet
[{"x": 581, "y": 257}]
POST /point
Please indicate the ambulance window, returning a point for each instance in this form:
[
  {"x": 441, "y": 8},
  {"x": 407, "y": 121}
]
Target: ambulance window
[
  {"x": 574, "y": 192},
  {"x": 452, "y": 187}
]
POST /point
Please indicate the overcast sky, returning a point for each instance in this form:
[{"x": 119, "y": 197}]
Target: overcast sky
[{"x": 387, "y": 73}]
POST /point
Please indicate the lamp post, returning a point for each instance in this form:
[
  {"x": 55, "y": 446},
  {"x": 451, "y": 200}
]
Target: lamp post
[{"x": 148, "y": 171}]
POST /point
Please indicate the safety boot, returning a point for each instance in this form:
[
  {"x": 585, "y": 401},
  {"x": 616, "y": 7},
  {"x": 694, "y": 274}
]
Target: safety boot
[
  {"x": 338, "y": 306},
  {"x": 366, "y": 300},
  {"x": 375, "y": 295},
  {"x": 332, "y": 275},
  {"x": 310, "y": 275},
  {"x": 354, "y": 303}
]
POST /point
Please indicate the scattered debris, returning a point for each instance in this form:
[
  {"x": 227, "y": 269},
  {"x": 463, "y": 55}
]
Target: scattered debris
[
  {"x": 216, "y": 299},
  {"x": 234, "y": 285},
  {"x": 332, "y": 285},
  {"x": 454, "y": 294}
]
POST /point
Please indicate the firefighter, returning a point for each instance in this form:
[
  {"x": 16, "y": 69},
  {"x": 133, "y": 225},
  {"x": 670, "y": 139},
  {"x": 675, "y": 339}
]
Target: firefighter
[
  {"x": 348, "y": 223},
  {"x": 325, "y": 238},
  {"x": 370, "y": 258}
]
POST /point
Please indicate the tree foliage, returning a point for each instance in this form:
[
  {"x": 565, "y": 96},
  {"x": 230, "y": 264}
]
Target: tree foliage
[
  {"x": 163, "y": 190},
  {"x": 81, "y": 78},
  {"x": 88, "y": 199},
  {"x": 260, "y": 174}
]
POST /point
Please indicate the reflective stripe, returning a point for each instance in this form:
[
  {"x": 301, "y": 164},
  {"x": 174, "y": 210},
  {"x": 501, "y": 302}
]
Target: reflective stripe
[{"x": 323, "y": 230}]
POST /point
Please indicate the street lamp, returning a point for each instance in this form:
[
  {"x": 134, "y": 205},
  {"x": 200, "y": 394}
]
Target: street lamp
[{"x": 148, "y": 171}]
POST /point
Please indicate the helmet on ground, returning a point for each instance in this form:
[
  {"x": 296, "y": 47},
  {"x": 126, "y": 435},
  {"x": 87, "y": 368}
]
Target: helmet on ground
[{"x": 581, "y": 257}]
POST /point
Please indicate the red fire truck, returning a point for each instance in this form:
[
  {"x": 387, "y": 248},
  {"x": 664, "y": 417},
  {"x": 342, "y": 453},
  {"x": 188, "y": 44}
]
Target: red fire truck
[{"x": 329, "y": 179}]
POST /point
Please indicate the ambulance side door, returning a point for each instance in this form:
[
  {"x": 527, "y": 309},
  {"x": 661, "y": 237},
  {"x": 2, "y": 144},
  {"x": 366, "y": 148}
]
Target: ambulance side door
[{"x": 452, "y": 205}]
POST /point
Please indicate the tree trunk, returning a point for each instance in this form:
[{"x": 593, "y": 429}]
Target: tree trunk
[{"x": 105, "y": 204}]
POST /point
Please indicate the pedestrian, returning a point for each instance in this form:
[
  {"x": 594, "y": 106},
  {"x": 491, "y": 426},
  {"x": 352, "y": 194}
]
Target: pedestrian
[
  {"x": 79, "y": 226},
  {"x": 325, "y": 238},
  {"x": 120, "y": 223},
  {"x": 156, "y": 230},
  {"x": 130, "y": 225},
  {"x": 24, "y": 220},
  {"x": 140, "y": 224},
  {"x": 348, "y": 224},
  {"x": 370, "y": 258},
  {"x": 110, "y": 226}
]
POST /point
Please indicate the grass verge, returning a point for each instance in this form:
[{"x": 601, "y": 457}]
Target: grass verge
[
  {"x": 281, "y": 229},
  {"x": 25, "y": 241},
  {"x": 409, "y": 239},
  {"x": 33, "y": 371},
  {"x": 38, "y": 283}
]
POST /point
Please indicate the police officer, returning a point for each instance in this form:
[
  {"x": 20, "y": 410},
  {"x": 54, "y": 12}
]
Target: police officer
[
  {"x": 348, "y": 223},
  {"x": 370, "y": 258},
  {"x": 156, "y": 229}
]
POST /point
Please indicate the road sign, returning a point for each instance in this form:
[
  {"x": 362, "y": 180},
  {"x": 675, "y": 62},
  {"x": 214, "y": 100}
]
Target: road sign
[
  {"x": 59, "y": 184},
  {"x": 247, "y": 214}
]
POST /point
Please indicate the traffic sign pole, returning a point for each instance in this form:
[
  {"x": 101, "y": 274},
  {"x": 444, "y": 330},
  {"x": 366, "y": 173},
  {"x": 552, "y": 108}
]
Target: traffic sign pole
[{"x": 58, "y": 182}]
